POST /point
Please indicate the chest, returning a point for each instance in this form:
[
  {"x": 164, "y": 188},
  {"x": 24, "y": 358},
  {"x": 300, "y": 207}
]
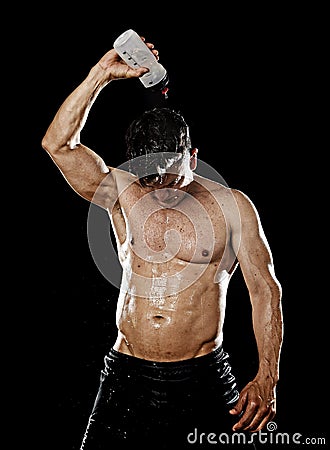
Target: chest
[{"x": 193, "y": 231}]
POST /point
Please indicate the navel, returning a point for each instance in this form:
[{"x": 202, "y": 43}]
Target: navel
[
  {"x": 205, "y": 252},
  {"x": 158, "y": 317}
]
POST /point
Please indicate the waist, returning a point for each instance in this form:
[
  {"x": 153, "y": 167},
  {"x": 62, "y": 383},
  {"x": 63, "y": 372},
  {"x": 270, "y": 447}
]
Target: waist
[{"x": 168, "y": 370}]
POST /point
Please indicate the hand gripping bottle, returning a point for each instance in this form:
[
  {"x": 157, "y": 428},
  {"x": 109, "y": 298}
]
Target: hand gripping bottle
[{"x": 131, "y": 48}]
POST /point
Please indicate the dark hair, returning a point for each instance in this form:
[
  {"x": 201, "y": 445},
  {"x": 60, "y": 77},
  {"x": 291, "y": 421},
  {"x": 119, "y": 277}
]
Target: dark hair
[{"x": 154, "y": 136}]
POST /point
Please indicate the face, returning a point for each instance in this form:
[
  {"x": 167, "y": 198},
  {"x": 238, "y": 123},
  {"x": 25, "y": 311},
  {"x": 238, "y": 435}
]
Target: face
[{"x": 169, "y": 185}]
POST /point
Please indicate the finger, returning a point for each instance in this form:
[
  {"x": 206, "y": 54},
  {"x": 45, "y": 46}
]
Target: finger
[
  {"x": 259, "y": 422},
  {"x": 238, "y": 408},
  {"x": 262, "y": 414},
  {"x": 150, "y": 45},
  {"x": 155, "y": 52},
  {"x": 269, "y": 415},
  {"x": 247, "y": 417}
]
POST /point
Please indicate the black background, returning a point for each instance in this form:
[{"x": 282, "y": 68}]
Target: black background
[{"x": 246, "y": 83}]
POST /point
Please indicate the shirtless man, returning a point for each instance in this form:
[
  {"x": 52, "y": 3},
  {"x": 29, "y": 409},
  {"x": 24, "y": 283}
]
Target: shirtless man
[{"x": 180, "y": 237}]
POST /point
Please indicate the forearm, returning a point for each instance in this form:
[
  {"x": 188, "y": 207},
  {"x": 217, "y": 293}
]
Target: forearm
[
  {"x": 64, "y": 131},
  {"x": 268, "y": 329}
]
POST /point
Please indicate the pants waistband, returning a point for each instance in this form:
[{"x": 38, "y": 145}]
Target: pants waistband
[{"x": 166, "y": 370}]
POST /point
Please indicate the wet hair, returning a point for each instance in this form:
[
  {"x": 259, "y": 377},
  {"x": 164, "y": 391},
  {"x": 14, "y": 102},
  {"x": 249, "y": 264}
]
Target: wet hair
[{"x": 153, "y": 138}]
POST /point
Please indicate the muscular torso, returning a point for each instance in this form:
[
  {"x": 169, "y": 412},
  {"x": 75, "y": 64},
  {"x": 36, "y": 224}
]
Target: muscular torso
[{"x": 177, "y": 262}]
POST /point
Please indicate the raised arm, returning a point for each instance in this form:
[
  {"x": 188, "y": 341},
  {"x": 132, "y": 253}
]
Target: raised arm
[
  {"x": 258, "y": 399},
  {"x": 83, "y": 169}
]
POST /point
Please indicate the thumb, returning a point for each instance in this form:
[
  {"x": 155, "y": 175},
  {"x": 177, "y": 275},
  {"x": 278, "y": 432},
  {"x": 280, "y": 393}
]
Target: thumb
[
  {"x": 142, "y": 70},
  {"x": 234, "y": 411},
  {"x": 238, "y": 408},
  {"x": 135, "y": 73}
]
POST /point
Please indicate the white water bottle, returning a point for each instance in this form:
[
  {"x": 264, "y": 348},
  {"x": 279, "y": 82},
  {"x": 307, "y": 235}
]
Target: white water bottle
[{"x": 131, "y": 48}]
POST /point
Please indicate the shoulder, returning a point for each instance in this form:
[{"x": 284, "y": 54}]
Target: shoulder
[
  {"x": 248, "y": 212},
  {"x": 223, "y": 192},
  {"x": 243, "y": 200},
  {"x": 216, "y": 188},
  {"x": 124, "y": 179}
]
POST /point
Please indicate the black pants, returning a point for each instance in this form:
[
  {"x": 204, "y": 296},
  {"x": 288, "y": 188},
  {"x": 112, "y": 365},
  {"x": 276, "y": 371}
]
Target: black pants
[{"x": 161, "y": 405}]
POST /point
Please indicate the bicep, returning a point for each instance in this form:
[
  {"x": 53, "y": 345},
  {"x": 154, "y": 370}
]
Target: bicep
[
  {"x": 253, "y": 251},
  {"x": 87, "y": 174},
  {"x": 256, "y": 262}
]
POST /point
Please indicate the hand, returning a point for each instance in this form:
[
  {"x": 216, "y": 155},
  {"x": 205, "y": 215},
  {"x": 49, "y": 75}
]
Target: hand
[
  {"x": 117, "y": 67},
  {"x": 257, "y": 404}
]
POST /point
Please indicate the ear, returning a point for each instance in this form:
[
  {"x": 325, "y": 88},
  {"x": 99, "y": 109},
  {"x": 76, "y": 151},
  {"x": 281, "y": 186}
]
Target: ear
[{"x": 193, "y": 158}]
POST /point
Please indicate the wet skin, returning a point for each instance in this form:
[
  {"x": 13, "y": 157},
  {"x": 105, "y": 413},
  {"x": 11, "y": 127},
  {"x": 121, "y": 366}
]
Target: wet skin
[
  {"x": 172, "y": 301},
  {"x": 179, "y": 246}
]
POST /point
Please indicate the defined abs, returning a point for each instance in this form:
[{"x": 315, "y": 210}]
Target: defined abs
[{"x": 168, "y": 329}]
